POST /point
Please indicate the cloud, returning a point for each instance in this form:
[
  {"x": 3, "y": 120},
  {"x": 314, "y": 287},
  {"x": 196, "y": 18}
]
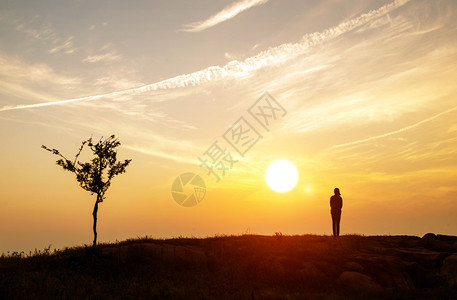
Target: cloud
[
  {"x": 43, "y": 34},
  {"x": 372, "y": 138},
  {"x": 47, "y": 34},
  {"x": 21, "y": 79},
  {"x": 236, "y": 69},
  {"x": 379, "y": 79},
  {"x": 66, "y": 47},
  {"x": 225, "y": 14},
  {"x": 162, "y": 154},
  {"x": 105, "y": 57}
]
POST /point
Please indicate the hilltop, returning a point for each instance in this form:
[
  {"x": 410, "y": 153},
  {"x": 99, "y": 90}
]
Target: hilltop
[{"x": 240, "y": 267}]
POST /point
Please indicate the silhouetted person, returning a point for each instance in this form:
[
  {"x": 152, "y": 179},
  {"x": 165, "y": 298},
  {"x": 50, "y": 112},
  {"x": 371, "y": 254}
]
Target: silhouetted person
[{"x": 336, "y": 203}]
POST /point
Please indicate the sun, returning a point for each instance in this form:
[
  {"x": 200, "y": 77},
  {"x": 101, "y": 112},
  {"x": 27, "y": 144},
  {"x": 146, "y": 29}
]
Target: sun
[{"x": 281, "y": 175}]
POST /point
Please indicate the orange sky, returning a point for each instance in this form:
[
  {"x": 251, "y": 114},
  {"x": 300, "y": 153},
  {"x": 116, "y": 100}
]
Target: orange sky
[{"x": 368, "y": 88}]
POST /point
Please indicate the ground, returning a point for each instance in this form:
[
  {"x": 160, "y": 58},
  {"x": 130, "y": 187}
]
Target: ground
[{"x": 240, "y": 267}]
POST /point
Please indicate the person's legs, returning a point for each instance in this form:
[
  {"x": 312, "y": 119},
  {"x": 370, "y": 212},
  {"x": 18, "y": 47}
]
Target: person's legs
[
  {"x": 337, "y": 221},
  {"x": 334, "y": 224}
]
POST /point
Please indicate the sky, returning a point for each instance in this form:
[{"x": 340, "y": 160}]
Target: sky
[{"x": 363, "y": 95}]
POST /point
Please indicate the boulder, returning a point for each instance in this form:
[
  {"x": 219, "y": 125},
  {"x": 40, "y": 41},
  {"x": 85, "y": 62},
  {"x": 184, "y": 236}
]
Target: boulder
[
  {"x": 388, "y": 271},
  {"x": 449, "y": 270},
  {"x": 446, "y": 238},
  {"x": 353, "y": 266},
  {"x": 358, "y": 281},
  {"x": 429, "y": 236}
]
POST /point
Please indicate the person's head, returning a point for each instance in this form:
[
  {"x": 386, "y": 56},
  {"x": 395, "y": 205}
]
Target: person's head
[{"x": 337, "y": 191}]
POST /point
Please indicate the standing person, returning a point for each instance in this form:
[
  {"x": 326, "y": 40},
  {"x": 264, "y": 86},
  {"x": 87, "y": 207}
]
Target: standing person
[{"x": 336, "y": 203}]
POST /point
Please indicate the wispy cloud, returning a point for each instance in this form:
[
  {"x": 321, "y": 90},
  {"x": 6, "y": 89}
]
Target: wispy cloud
[
  {"x": 161, "y": 154},
  {"x": 372, "y": 138},
  {"x": 106, "y": 54},
  {"x": 105, "y": 57},
  {"x": 46, "y": 33},
  {"x": 21, "y": 79},
  {"x": 41, "y": 34},
  {"x": 227, "y": 13},
  {"x": 66, "y": 47},
  {"x": 237, "y": 69}
]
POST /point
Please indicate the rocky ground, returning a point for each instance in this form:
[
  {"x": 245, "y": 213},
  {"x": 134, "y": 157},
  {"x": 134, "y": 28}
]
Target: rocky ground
[{"x": 241, "y": 267}]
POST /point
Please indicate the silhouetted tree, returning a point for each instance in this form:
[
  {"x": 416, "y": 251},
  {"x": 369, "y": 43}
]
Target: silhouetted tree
[{"x": 95, "y": 176}]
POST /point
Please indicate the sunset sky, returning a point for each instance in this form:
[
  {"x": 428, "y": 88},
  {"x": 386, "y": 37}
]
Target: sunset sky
[{"x": 368, "y": 90}]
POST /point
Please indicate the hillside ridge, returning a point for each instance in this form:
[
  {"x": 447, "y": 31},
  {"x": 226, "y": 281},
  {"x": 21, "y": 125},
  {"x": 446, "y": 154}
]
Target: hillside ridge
[{"x": 240, "y": 267}]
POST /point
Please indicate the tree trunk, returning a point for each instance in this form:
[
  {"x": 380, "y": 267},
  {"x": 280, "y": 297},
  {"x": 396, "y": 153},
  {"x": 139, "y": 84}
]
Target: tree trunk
[{"x": 94, "y": 214}]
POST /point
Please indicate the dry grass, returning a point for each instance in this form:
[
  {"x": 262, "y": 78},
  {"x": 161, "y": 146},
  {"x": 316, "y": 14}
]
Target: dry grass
[{"x": 234, "y": 267}]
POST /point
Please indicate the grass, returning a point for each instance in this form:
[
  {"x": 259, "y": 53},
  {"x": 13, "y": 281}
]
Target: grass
[{"x": 234, "y": 267}]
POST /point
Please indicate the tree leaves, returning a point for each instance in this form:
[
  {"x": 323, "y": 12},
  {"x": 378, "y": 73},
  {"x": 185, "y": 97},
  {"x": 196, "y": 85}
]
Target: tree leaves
[{"x": 95, "y": 176}]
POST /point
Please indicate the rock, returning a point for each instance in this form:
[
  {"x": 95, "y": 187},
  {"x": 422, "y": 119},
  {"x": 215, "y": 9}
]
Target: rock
[
  {"x": 449, "y": 269},
  {"x": 353, "y": 266},
  {"x": 446, "y": 238},
  {"x": 358, "y": 281},
  {"x": 422, "y": 277},
  {"x": 427, "y": 258},
  {"x": 311, "y": 276},
  {"x": 429, "y": 236},
  {"x": 388, "y": 271}
]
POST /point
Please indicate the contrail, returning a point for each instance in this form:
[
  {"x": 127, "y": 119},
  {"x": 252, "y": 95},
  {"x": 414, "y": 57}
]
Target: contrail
[
  {"x": 227, "y": 13},
  {"x": 396, "y": 131},
  {"x": 236, "y": 68}
]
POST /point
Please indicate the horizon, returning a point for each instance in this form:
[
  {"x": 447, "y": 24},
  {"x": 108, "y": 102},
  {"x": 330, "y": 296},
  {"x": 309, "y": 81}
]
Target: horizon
[{"x": 364, "y": 94}]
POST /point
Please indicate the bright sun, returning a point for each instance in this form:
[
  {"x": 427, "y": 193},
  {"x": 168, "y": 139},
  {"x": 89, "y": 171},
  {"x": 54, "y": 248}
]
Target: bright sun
[{"x": 281, "y": 176}]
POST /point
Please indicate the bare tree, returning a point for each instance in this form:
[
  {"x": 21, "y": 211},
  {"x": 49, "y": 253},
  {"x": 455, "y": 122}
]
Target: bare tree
[{"x": 95, "y": 176}]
